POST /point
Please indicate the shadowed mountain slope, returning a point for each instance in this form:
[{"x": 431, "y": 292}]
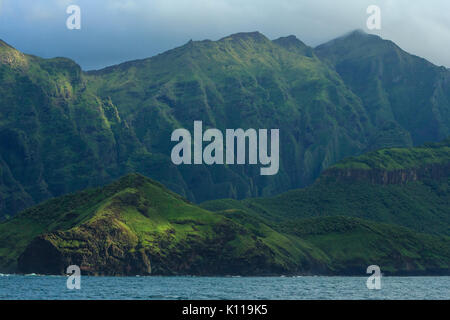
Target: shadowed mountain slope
[{"x": 63, "y": 130}]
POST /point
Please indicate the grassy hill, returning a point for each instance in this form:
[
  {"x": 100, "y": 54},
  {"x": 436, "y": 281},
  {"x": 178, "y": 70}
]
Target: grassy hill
[{"x": 137, "y": 226}]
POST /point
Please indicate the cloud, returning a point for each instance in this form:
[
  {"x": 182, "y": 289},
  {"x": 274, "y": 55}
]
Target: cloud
[{"x": 118, "y": 30}]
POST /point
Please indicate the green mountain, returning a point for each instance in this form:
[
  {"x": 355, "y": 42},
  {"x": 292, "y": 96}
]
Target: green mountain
[
  {"x": 408, "y": 187},
  {"x": 405, "y": 95},
  {"x": 388, "y": 207},
  {"x": 63, "y": 130},
  {"x": 241, "y": 81}
]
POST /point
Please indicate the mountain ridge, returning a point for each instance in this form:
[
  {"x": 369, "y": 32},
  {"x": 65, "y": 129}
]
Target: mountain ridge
[
  {"x": 289, "y": 38},
  {"x": 62, "y": 129},
  {"x": 385, "y": 77}
]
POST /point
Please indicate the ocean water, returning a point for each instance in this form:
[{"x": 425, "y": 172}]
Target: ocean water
[{"x": 232, "y": 288}]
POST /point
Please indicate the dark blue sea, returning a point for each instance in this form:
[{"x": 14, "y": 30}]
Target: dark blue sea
[{"x": 177, "y": 288}]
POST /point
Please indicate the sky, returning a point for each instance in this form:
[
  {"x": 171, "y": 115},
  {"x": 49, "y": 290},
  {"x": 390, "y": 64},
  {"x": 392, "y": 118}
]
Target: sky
[{"x": 114, "y": 31}]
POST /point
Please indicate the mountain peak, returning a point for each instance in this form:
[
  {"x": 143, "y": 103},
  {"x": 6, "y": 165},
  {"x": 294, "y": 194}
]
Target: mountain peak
[
  {"x": 290, "y": 40},
  {"x": 356, "y": 36},
  {"x": 361, "y": 34},
  {"x": 293, "y": 43},
  {"x": 245, "y": 36},
  {"x": 134, "y": 180},
  {"x": 357, "y": 32},
  {"x": 137, "y": 180}
]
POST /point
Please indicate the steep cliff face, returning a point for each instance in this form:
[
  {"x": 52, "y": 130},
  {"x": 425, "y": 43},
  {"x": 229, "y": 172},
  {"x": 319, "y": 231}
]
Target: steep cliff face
[
  {"x": 113, "y": 251},
  {"x": 396, "y": 166},
  {"x": 97, "y": 252},
  {"x": 403, "y": 186},
  {"x": 396, "y": 87},
  {"x": 63, "y": 130}
]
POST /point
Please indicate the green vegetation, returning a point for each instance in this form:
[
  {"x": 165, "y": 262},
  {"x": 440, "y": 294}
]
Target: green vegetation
[
  {"x": 405, "y": 96},
  {"x": 64, "y": 130},
  {"x": 339, "y": 225},
  {"x": 136, "y": 226},
  {"x": 352, "y": 188},
  {"x": 398, "y": 158}
]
